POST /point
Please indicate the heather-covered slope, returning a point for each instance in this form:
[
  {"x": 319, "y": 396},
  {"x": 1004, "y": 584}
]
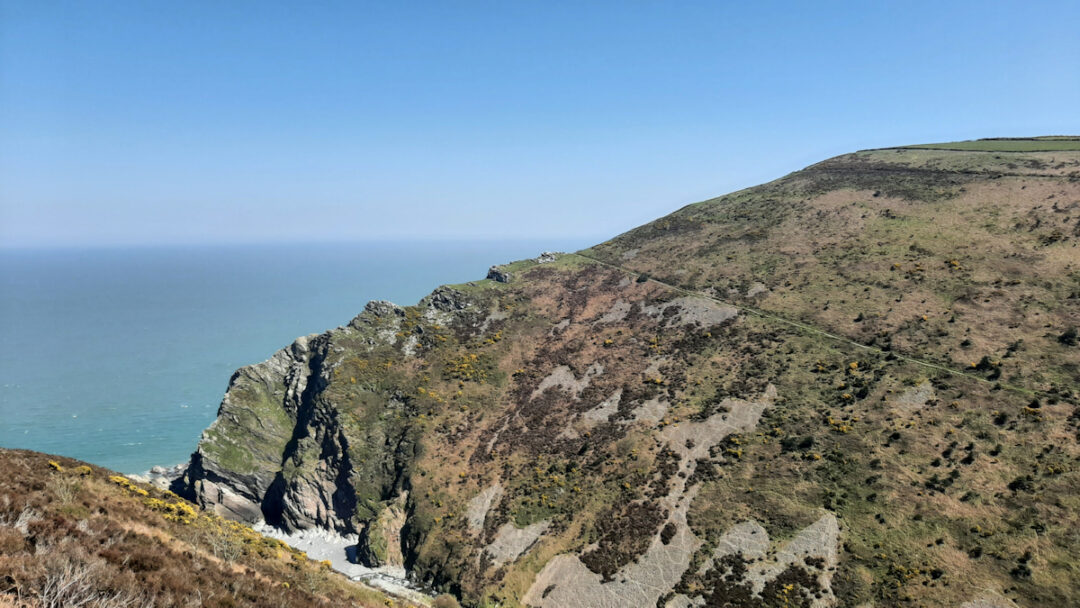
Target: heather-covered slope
[
  {"x": 76, "y": 535},
  {"x": 948, "y": 255},
  {"x": 854, "y": 386}
]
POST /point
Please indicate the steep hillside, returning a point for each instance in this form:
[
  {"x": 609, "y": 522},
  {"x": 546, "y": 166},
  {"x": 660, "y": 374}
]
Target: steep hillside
[
  {"x": 72, "y": 535},
  {"x": 853, "y": 386}
]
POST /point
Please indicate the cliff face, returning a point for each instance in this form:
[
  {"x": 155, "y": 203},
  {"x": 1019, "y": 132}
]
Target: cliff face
[
  {"x": 264, "y": 412},
  {"x": 854, "y": 385},
  {"x": 279, "y": 451}
]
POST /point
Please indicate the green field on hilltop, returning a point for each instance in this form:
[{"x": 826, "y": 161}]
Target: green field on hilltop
[{"x": 1048, "y": 144}]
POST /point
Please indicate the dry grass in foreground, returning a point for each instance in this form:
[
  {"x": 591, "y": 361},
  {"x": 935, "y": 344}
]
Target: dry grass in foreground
[{"x": 74, "y": 535}]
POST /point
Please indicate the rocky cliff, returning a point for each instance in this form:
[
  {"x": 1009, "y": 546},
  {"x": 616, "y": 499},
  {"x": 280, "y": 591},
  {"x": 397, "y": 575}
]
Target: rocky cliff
[
  {"x": 294, "y": 469},
  {"x": 854, "y": 386}
]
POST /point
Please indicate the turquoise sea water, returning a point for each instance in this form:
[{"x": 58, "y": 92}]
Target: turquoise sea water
[{"x": 120, "y": 357}]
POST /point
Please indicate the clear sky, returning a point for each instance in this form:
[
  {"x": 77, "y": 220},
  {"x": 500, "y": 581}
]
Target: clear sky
[{"x": 182, "y": 122}]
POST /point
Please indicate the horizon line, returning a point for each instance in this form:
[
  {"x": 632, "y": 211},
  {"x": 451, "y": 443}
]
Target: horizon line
[{"x": 5, "y": 247}]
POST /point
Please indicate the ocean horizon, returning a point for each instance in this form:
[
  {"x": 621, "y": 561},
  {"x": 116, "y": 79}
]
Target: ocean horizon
[{"x": 120, "y": 356}]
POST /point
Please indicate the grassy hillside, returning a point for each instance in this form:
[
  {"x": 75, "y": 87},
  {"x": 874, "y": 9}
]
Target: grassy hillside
[
  {"x": 953, "y": 450},
  {"x": 72, "y": 534},
  {"x": 948, "y": 256},
  {"x": 853, "y": 386}
]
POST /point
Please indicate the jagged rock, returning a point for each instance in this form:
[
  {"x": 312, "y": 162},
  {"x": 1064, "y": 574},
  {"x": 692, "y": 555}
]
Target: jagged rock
[
  {"x": 383, "y": 308},
  {"x": 447, "y": 299},
  {"x": 163, "y": 477},
  {"x": 376, "y": 310},
  {"x": 380, "y": 541},
  {"x": 497, "y": 274}
]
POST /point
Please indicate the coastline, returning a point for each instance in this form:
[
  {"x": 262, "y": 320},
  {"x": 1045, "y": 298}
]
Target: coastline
[
  {"x": 321, "y": 544},
  {"x": 161, "y": 477}
]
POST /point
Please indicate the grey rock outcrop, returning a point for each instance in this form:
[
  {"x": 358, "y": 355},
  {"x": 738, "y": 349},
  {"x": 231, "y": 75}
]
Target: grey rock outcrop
[{"x": 497, "y": 274}]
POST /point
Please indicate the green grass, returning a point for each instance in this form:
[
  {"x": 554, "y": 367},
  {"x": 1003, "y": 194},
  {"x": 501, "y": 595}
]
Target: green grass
[
  {"x": 476, "y": 287},
  {"x": 226, "y": 453},
  {"x": 1007, "y": 145}
]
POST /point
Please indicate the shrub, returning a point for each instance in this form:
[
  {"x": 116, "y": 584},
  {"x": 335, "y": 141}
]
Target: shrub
[
  {"x": 446, "y": 601},
  {"x": 468, "y": 367},
  {"x": 181, "y": 512},
  {"x": 1070, "y": 337},
  {"x": 126, "y": 483},
  {"x": 1024, "y": 483},
  {"x": 143, "y": 559},
  {"x": 64, "y": 489}
]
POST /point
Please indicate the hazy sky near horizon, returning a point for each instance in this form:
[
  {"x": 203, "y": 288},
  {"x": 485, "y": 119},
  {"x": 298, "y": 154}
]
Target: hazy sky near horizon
[{"x": 204, "y": 122}]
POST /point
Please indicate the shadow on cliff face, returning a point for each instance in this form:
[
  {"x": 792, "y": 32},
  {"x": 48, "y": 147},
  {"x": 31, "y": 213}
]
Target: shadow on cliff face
[
  {"x": 311, "y": 488},
  {"x": 324, "y": 499}
]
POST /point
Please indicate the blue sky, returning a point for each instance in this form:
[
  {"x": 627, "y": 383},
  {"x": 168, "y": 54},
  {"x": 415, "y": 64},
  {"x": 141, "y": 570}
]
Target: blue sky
[{"x": 203, "y": 122}]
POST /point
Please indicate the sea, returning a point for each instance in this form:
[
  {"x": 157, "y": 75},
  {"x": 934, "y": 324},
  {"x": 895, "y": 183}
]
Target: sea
[{"x": 120, "y": 356}]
